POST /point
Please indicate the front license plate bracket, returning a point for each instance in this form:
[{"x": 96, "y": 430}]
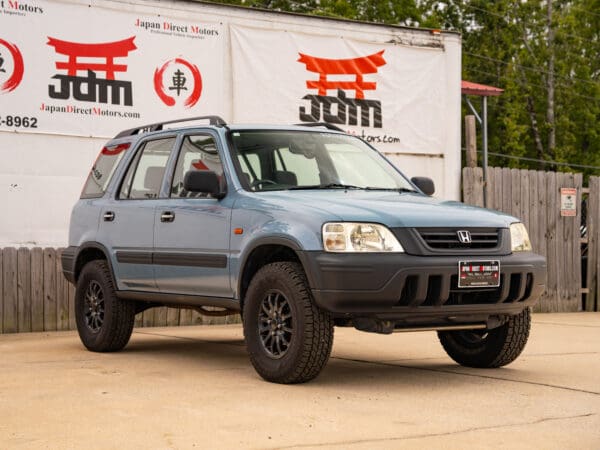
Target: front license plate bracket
[{"x": 478, "y": 274}]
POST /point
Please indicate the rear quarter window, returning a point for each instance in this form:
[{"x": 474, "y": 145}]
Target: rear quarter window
[{"x": 103, "y": 170}]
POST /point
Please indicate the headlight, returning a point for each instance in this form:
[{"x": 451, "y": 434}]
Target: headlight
[
  {"x": 519, "y": 238},
  {"x": 349, "y": 237}
]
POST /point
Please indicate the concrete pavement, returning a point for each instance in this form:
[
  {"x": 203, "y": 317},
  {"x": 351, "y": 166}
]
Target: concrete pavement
[{"x": 194, "y": 387}]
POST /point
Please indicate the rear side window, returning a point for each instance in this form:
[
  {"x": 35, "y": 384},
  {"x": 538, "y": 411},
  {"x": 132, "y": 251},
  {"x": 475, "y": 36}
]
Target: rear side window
[
  {"x": 103, "y": 170},
  {"x": 145, "y": 174}
]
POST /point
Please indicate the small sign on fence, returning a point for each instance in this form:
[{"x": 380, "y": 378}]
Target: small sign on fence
[{"x": 568, "y": 202}]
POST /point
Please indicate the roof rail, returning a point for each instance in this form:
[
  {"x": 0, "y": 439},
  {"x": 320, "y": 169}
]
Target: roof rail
[
  {"x": 214, "y": 120},
  {"x": 321, "y": 124}
]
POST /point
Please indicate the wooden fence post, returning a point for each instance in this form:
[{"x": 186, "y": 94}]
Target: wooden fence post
[
  {"x": 24, "y": 289},
  {"x": 593, "y": 232},
  {"x": 9, "y": 292},
  {"x": 471, "y": 141}
]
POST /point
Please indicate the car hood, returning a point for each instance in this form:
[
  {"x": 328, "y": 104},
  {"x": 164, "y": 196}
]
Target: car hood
[{"x": 392, "y": 209}]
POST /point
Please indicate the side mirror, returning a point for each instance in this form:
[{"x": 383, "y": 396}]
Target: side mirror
[
  {"x": 204, "y": 181},
  {"x": 425, "y": 184}
]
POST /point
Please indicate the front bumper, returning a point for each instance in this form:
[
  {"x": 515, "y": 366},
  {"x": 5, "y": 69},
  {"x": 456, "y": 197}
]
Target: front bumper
[{"x": 420, "y": 289}]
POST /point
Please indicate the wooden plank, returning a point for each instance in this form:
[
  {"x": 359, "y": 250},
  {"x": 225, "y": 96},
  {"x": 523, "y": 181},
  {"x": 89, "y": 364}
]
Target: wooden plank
[
  {"x": 515, "y": 206},
  {"x": 160, "y": 317},
  {"x": 37, "y": 289},
  {"x": 534, "y": 213},
  {"x": 524, "y": 200},
  {"x": 550, "y": 302},
  {"x": 592, "y": 222},
  {"x": 49, "y": 289},
  {"x": 489, "y": 188},
  {"x": 71, "y": 302},
  {"x": 197, "y": 318},
  {"x": 172, "y": 317},
  {"x": 24, "y": 289},
  {"x": 9, "y": 291},
  {"x": 62, "y": 295},
  {"x": 506, "y": 197},
  {"x": 139, "y": 320},
  {"x": 185, "y": 316},
  {"x": 498, "y": 186},
  {"x": 575, "y": 291},
  {"x": 148, "y": 318},
  {"x": 479, "y": 187}
]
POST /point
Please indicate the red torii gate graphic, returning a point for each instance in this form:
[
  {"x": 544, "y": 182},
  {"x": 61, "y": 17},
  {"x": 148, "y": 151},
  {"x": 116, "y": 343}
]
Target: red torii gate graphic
[
  {"x": 107, "y": 50},
  {"x": 351, "y": 66}
]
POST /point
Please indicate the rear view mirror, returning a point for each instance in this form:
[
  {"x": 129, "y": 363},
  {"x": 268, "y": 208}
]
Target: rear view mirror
[
  {"x": 425, "y": 184},
  {"x": 203, "y": 181}
]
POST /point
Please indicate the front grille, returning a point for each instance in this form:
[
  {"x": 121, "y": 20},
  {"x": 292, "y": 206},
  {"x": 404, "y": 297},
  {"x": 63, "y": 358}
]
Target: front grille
[
  {"x": 448, "y": 238},
  {"x": 442, "y": 289}
]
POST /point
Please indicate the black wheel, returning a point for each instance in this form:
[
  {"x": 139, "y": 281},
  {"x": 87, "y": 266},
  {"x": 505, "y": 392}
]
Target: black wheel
[
  {"x": 493, "y": 348},
  {"x": 288, "y": 337},
  {"x": 104, "y": 322}
]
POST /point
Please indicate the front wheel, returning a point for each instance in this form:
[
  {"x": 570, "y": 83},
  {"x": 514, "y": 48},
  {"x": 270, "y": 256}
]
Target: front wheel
[
  {"x": 288, "y": 337},
  {"x": 491, "y": 348},
  {"x": 104, "y": 322}
]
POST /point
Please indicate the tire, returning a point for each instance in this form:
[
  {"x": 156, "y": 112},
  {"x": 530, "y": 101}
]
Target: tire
[
  {"x": 288, "y": 337},
  {"x": 104, "y": 322},
  {"x": 494, "y": 348}
]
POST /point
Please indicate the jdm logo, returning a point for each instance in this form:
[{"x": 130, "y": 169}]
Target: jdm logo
[
  {"x": 91, "y": 59},
  {"x": 346, "y": 109},
  {"x": 11, "y": 66},
  {"x": 183, "y": 81}
]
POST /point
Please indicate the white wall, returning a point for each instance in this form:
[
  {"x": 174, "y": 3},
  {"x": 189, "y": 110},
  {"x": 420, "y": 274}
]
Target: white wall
[{"x": 41, "y": 175}]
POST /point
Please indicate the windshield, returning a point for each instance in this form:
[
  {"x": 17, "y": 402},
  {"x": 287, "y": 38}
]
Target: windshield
[{"x": 287, "y": 160}]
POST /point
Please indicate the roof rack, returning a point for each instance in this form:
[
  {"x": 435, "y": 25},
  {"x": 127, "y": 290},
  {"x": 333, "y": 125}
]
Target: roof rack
[
  {"x": 214, "y": 120},
  {"x": 321, "y": 124}
]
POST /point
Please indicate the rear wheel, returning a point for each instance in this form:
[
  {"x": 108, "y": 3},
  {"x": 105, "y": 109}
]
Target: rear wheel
[
  {"x": 288, "y": 337},
  {"x": 491, "y": 348},
  {"x": 104, "y": 322}
]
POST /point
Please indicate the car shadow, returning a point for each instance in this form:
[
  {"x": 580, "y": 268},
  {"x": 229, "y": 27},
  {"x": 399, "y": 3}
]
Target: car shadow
[{"x": 226, "y": 353}]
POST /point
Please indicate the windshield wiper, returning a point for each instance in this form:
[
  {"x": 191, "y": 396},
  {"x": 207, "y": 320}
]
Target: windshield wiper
[
  {"x": 326, "y": 186},
  {"x": 400, "y": 189}
]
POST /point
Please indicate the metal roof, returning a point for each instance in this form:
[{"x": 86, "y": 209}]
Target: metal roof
[{"x": 470, "y": 88}]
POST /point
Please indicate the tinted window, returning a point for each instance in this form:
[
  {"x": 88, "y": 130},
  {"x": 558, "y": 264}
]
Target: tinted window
[
  {"x": 145, "y": 174},
  {"x": 103, "y": 170},
  {"x": 198, "y": 152}
]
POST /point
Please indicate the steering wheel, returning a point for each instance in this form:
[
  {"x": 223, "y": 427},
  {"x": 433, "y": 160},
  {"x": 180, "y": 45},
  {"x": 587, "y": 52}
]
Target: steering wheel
[{"x": 256, "y": 183}]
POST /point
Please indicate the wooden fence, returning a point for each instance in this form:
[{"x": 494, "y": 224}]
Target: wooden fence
[
  {"x": 35, "y": 296},
  {"x": 534, "y": 197}
]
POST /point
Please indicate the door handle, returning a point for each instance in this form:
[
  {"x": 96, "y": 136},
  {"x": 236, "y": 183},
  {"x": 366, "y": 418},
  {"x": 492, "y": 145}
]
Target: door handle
[
  {"x": 109, "y": 216},
  {"x": 167, "y": 216}
]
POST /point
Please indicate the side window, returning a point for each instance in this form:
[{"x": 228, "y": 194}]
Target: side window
[
  {"x": 145, "y": 174},
  {"x": 198, "y": 152},
  {"x": 103, "y": 170}
]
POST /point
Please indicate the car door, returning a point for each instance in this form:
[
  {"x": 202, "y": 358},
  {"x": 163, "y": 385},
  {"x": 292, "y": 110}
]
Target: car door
[
  {"x": 191, "y": 239},
  {"x": 127, "y": 221}
]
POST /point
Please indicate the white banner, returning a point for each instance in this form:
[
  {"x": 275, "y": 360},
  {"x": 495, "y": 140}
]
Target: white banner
[
  {"x": 89, "y": 71},
  {"x": 393, "y": 96}
]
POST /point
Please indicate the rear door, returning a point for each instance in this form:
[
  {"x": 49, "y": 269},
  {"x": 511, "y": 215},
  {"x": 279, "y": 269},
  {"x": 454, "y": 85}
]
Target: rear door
[
  {"x": 127, "y": 221},
  {"x": 191, "y": 239}
]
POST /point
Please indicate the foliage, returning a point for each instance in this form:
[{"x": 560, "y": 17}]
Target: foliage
[{"x": 543, "y": 53}]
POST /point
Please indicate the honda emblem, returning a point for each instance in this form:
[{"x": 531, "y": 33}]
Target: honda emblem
[{"x": 464, "y": 236}]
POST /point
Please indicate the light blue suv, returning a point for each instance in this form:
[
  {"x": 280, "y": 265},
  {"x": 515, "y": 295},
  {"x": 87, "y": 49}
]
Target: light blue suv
[{"x": 299, "y": 229}]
